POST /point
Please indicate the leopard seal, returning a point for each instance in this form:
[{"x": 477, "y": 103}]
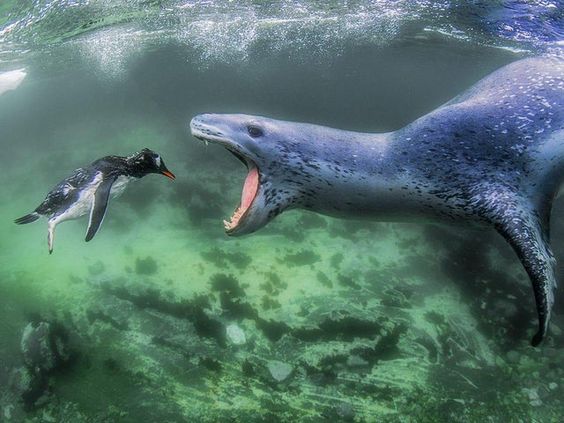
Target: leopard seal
[{"x": 492, "y": 156}]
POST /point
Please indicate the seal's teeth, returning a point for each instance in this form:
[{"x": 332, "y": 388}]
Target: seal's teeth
[
  {"x": 234, "y": 220},
  {"x": 207, "y": 142}
]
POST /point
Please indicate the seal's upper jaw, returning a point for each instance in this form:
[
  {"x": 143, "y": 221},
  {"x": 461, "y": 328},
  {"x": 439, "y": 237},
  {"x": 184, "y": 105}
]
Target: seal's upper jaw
[{"x": 247, "y": 216}]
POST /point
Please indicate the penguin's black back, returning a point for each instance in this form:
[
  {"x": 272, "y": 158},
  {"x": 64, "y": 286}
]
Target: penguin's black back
[{"x": 66, "y": 192}]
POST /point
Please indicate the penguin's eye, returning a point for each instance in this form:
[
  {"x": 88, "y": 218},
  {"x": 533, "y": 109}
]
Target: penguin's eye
[
  {"x": 254, "y": 131},
  {"x": 157, "y": 159}
]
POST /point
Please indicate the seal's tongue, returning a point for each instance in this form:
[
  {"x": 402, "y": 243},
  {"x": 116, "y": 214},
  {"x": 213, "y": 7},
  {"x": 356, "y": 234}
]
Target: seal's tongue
[{"x": 250, "y": 189}]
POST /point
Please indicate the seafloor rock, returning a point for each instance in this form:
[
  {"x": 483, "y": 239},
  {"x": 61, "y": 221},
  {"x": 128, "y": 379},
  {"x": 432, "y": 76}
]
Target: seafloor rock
[
  {"x": 235, "y": 334},
  {"x": 342, "y": 412},
  {"x": 356, "y": 361},
  {"x": 279, "y": 370},
  {"x": 28, "y": 385},
  {"x": 43, "y": 346},
  {"x": 146, "y": 266},
  {"x": 11, "y": 410},
  {"x": 533, "y": 396},
  {"x": 96, "y": 268},
  {"x": 513, "y": 356},
  {"x": 21, "y": 380}
]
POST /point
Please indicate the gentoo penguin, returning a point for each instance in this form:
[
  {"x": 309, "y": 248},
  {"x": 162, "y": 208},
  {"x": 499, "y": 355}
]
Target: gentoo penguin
[{"x": 89, "y": 188}]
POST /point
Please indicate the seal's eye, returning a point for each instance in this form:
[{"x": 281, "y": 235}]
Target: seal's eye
[{"x": 254, "y": 131}]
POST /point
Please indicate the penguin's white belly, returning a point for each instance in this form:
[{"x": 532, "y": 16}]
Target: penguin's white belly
[
  {"x": 86, "y": 198},
  {"x": 120, "y": 184},
  {"x": 83, "y": 205}
]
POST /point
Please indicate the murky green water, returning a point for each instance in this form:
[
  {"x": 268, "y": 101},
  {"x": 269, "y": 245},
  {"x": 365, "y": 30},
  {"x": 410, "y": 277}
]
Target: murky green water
[{"x": 162, "y": 317}]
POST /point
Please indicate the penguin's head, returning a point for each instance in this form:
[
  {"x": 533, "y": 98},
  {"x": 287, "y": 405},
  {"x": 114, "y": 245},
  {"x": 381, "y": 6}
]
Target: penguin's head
[{"x": 147, "y": 161}]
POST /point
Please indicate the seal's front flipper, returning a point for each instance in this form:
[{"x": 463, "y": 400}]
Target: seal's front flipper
[
  {"x": 99, "y": 206},
  {"x": 526, "y": 234}
]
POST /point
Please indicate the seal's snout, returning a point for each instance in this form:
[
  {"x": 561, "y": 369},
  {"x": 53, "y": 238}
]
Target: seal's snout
[
  {"x": 197, "y": 123},
  {"x": 194, "y": 123},
  {"x": 205, "y": 119},
  {"x": 204, "y": 127},
  {"x": 196, "y": 120}
]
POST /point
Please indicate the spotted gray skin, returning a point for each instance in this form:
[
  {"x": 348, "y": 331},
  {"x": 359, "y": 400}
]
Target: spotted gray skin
[{"x": 492, "y": 156}]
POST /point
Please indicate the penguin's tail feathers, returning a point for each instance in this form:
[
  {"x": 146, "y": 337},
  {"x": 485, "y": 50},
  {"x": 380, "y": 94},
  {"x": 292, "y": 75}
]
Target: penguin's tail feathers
[{"x": 28, "y": 218}]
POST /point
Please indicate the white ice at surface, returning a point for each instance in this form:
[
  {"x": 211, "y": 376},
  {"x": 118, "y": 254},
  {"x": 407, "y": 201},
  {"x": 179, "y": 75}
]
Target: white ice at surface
[{"x": 11, "y": 80}]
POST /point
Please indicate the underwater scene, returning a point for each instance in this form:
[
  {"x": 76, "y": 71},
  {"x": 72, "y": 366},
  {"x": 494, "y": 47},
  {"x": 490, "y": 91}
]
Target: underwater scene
[{"x": 294, "y": 309}]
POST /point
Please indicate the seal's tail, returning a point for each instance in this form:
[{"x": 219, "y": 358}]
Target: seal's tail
[{"x": 28, "y": 218}]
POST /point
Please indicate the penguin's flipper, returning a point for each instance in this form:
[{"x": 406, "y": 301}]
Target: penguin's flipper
[
  {"x": 528, "y": 236},
  {"x": 99, "y": 206},
  {"x": 51, "y": 224}
]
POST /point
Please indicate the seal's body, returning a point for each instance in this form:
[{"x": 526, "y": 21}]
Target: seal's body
[
  {"x": 88, "y": 189},
  {"x": 492, "y": 156}
]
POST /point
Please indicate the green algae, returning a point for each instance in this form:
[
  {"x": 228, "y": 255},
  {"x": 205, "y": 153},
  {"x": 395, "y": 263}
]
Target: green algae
[
  {"x": 301, "y": 258},
  {"x": 222, "y": 258},
  {"x": 349, "y": 361},
  {"x": 146, "y": 266}
]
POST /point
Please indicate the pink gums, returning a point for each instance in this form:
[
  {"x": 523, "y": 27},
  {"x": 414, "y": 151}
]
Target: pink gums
[{"x": 250, "y": 189}]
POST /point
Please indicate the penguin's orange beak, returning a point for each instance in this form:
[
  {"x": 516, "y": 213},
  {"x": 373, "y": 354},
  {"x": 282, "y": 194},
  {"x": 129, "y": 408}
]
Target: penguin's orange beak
[{"x": 168, "y": 174}]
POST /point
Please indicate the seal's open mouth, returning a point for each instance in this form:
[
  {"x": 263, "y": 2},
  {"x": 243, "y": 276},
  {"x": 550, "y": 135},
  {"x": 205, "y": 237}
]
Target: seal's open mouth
[
  {"x": 250, "y": 191},
  {"x": 252, "y": 181}
]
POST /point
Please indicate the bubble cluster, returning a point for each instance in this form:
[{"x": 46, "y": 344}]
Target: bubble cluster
[{"x": 111, "y": 32}]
